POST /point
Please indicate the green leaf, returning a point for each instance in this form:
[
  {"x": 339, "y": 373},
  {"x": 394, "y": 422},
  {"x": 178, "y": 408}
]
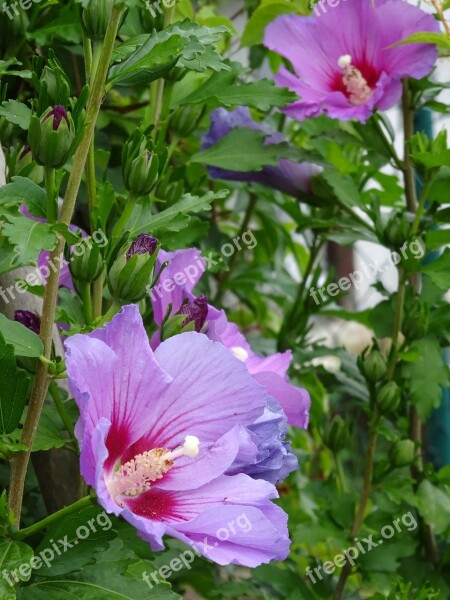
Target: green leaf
[
  {"x": 50, "y": 431},
  {"x": 176, "y": 217},
  {"x": 28, "y": 237},
  {"x": 440, "y": 39},
  {"x": 24, "y": 341},
  {"x": 146, "y": 58},
  {"x": 5, "y": 68},
  {"x": 24, "y": 191},
  {"x": 220, "y": 88},
  {"x": 432, "y": 160},
  {"x": 433, "y": 503},
  {"x": 426, "y": 376},
  {"x": 17, "y": 113},
  {"x": 343, "y": 187},
  {"x": 14, "y": 385},
  {"x": 12, "y": 556},
  {"x": 65, "y": 27},
  {"x": 228, "y": 152},
  {"x": 439, "y": 270},
  {"x": 265, "y": 13}
]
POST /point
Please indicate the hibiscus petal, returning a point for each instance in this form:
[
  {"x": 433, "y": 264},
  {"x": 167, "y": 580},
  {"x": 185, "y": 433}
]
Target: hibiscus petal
[
  {"x": 211, "y": 392},
  {"x": 293, "y": 400}
]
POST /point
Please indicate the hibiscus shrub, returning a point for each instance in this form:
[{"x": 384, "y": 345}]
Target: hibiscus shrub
[{"x": 192, "y": 402}]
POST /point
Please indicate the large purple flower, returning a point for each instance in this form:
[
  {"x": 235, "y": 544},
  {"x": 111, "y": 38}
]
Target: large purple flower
[
  {"x": 159, "y": 430},
  {"x": 343, "y": 60},
  {"x": 175, "y": 288},
  {"x": 288, "y": 177}
]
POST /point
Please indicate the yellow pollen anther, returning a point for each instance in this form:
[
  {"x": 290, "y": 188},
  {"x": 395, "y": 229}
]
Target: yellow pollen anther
[
  {"x": 357, "y": 87},
  {"x": 136, "y": 476}
]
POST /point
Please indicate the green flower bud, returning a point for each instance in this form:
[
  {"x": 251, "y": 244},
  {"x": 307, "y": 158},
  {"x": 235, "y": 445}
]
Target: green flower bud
[
  {"x": 86, "y": 262},
  {"x": 140, "y": 165},
  {"x": 186, "y": 119},
  {"x": 26, "y": 167},
  {"x": 336, "y": 435},
  {"x": 131, "y": 273},
  {"x": 415, "y": 322},
  {"x": 388, "y": 397},
  {"x": 57, "y": 85},
  {"x": 50, "y": 137},
  {"x": 96, "y": 17},
  {"x": 396, "y": 232},
  {"x": 374, "y": 366},
  {"x": 402, "y": 453}
]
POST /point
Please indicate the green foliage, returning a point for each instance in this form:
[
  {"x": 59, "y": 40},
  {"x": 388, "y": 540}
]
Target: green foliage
[{"x": 14, "y": 385}]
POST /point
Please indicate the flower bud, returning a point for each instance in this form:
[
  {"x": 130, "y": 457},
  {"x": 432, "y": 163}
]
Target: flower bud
[
  {"x": 196, "y": 313},
  {"x": 140, "y": 165},
  {"x": 131, "y": 273},
  {"x": 396, "y": 232},
  {"x": 374, "y": 366},
  {"x": 86, "y": 262},
  {"x": 336, "y": 435},
  {"x": 95, "y": 18},
  {"x": 51, "y": 137},
  {"x": 29, "y": 319},
  {"x": 402, "y": 453},
  {"x": 26, "y": 167},
  {"x": 56, "y": 84},
  {"x": 415, "y": 322},
  {"x": 388, "y": 397},
  {"x": 186, "y": 119}
]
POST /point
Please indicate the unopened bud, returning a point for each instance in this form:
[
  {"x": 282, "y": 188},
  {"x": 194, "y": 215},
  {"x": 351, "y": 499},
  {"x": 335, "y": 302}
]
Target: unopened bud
[
  {"x": 51, "y": 137},
  {"x": 388, "y": 397}
]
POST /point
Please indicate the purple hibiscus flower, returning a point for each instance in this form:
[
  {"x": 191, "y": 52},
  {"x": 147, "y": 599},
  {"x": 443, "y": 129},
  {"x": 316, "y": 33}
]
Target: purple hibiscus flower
[
  {"x": 175, "y": 289},
  {"x": 159, "y": 430},
  {"x": 343, "y": 60},
  {"x": 288, "y": 177}
]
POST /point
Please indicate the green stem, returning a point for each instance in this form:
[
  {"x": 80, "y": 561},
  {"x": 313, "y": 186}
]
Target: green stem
[
  {"x": 390, "y": 147},
  {"x": 232, "y": 262},
  {"x": 85, "y": 293},
  {"x": 120, "y": 226},
  {"x": 286, "y": 329},
  {"x": 22, "y": 534},
  {"x": 97, "y": 296},
  {"x": 364, "y": 498},
  {"x": 20, "y": 462},
  {"x": 52, "y": 201},
  {"x": 427, "y": 534},
  {"x": 65, "y": 418}
]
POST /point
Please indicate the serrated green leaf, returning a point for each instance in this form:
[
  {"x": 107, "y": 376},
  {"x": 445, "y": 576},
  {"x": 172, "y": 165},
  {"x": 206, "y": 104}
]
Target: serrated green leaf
[
  {"x": 24, "y": 191},
  {"x": 177, "y": 215},
  {"x": 28, "y": 237},
  {"x": 439, "y": 270},
  {"x": 426, "y": 376},
  {"x": 24, "y": 341}
]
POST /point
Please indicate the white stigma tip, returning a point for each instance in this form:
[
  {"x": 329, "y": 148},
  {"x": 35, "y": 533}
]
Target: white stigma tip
[
  {"x": 191, "y": 446},
  {"x": 344, "y": 61},
  {"x": 240, "y": 353}
]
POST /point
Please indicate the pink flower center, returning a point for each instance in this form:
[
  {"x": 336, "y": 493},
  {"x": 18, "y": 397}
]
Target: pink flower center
[
  {"x": 356, "y": 86},
  {"x": 136, "y": 476}
]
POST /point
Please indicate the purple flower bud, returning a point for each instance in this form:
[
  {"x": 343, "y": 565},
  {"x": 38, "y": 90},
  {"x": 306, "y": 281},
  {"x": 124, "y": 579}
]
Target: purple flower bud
[
  {"x": 195, "y": 311},
  {"x": 143, "y": 244},
  {"x": 29, "y": 319},
  {"x": 58, "y": 113}
]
